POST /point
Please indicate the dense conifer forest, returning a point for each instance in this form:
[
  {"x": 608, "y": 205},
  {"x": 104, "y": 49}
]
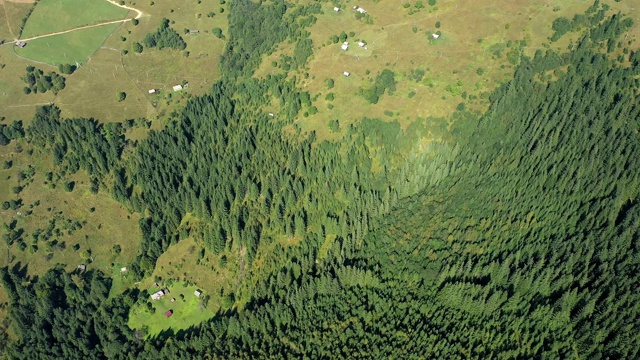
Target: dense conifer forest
[{"x": 517, "y": 237}]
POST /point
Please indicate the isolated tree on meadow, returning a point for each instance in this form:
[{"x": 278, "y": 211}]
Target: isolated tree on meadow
[{"x": 137, "y": 47}]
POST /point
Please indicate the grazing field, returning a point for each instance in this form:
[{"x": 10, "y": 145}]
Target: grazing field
[
  {"x": 14, "y": 104},
  {"x": 51, "y": 16},
  {"x": 92, "y": 91},
  {"x": 69, "y": 48},
  {"x": 187, "y": 310},
  {"x": 11, "y": 15},
  {"x": 109, "y": 66},
  {"x": 478, "y": 45},
  {"x": 74, "y": 227},
  {"x": 187, "y": 261}
]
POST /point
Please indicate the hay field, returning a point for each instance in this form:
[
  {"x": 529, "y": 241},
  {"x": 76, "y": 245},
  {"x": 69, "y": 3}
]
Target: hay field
[
  {"x": 75, "y": 47},
  {"x": 51, "y": 16}
]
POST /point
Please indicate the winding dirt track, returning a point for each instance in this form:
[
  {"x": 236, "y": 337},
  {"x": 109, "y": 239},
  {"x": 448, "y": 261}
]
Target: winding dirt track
[{"x": 139, "y": 15}]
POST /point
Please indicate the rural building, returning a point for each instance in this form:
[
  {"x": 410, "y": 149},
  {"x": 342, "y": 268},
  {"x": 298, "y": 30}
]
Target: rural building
[
  {"x": 271, "y": 114},
  {"x": 197, "y": 293},
  {"x": 346, "y": 73},
  {"x": 21, "y": 44},
  {"x": 82, "y": 267},
  {"x": 194, "y": 32},
  {"x": 152, "y": 91},
  {"x": 345, "y": 45},
  {"x": 359, "y": 9},
  {"x": 123, "y": 269},
  {"x": 173, "y": 299},
  {"x": 168, "y": 313},
  {"x": 435, "y": 36},
  {"x": 165, "y": 291},
  {"x": 177, "y": 88},
  {"x": 336, "y": 9},
  {"x": 360, "y": 43},
  {"x": 157, "y": 295}
]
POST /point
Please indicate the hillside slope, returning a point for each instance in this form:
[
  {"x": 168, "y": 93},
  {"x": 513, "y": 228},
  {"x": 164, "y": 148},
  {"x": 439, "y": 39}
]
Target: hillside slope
[{"x": 517, "y": 239}]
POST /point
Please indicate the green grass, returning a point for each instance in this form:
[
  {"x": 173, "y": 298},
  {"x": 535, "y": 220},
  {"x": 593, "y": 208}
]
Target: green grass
[
  {"x": 450, "y": 63},
  {"x": 11, "y": 15},
  {"x": 182, "y": 262},
  {"x": 187, "y": 310},
  {"x": 14, "y": 104},
  {"x": 109, "y": 224},
  {"x": 58, "y": 15},
  {"x": 69, "y": 48}
]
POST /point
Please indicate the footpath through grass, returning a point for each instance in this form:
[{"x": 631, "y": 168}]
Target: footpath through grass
[{"x": 58, "y": 15}]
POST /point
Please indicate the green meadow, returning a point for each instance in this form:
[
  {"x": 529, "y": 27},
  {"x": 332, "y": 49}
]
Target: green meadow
[
  {"x": 188, "y": 310},
  {"x": 69, "y": 48},
  {"x": 58, "y": 15},
  {"x": 74, "y": 227}
]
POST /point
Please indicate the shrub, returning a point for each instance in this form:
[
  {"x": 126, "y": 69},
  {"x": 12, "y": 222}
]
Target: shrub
[
  {"x": 137, "y": 47},
  {"x": 217, "y": 32},
  {"x": 69, "y": 186}
]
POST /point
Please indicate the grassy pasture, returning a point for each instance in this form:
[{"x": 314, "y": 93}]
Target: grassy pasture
[
  {"x": 180, "y": 263},
  {"x": 471, "y": 57},
  {"x": 162, "y": 69},
  {"x": 69, "y": 48},
  {"x": 14, "y": 104},
  {"x": 11, "y": 15},
  {"x": 92, "y": 91},
  {"x": 58, "y": 15},
  {"x": 109, "y": 224},
  {"x": 187, "y": 310}
]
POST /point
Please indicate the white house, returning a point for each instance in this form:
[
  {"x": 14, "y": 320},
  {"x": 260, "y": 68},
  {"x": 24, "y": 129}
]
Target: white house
[
  {"x": 361, "y": 10},
  {"x": 123, "y": 269},
  {"x": 435, "y": 36},
  {"x": 336, "y": 9},
  {"x": 152, "y": 91},
  {"x": 360, "y": 43},
  {"x": 157, "y": 295},
  {"x": 177, "y": 88},
  {"x": 345, "y": 46},
  {"x": 346, "y": 73},
  {"x": 197, "y": 293}
]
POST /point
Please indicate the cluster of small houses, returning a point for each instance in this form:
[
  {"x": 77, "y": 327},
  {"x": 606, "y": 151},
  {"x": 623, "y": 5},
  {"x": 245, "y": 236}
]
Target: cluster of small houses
[
  {"x": 345, "y": 45},
  {"x": 161, "y": 293}
]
